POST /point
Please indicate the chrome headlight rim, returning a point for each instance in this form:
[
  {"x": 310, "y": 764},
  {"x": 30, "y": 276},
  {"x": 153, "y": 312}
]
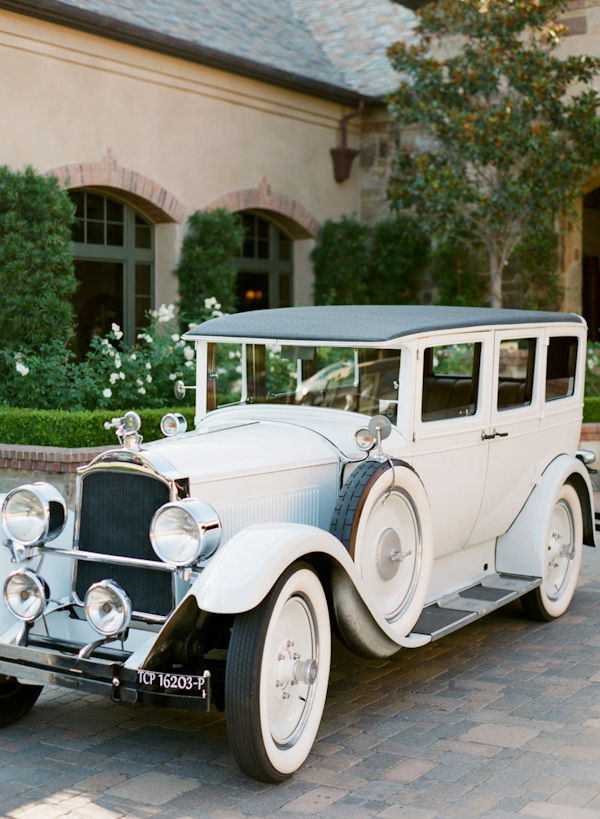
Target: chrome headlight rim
[
  {"x": 204, "y": 523},
  {"x": 52, "y": 518},
  {"x": 173, "y": 423},
  {"x": 111, "y": 590},
  {"x": 37, "y": 583}
]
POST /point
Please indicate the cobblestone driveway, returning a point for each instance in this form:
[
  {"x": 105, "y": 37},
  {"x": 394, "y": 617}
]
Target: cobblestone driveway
[{"x": 498, "y": 720}]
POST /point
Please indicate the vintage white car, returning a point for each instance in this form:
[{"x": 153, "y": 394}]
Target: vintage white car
[{"x": 388, "y": 473}]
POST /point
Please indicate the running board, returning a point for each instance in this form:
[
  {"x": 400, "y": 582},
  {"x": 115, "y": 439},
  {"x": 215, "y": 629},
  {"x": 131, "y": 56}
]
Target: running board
[{"x": 456, "y": 610}]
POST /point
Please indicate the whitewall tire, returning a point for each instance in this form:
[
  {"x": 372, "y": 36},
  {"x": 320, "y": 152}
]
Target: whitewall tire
[
  {"x": 561, "y": 559},
  {"x": 277, "y": 675}
]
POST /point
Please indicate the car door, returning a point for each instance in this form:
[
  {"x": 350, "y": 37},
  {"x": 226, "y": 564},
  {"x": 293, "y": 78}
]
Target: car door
[
  {"x": 513, "y": 430},
  {"x": 452, "y": 408}
]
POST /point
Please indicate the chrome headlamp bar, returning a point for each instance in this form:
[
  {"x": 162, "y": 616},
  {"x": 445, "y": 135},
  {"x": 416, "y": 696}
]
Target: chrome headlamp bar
[{"x": 34, "y": 513}]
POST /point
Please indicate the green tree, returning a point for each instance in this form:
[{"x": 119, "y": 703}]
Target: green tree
[
  {"x": 37, "y": 277},
  {"x": 512, "y": 128},
  {"x": 356, "y": 264},
  {"x": 206, "y": 269}
]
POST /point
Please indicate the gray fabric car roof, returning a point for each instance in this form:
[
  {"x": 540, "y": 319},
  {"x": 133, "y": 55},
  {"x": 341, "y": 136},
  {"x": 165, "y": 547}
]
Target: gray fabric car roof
[{"x": 363, "y": 323}]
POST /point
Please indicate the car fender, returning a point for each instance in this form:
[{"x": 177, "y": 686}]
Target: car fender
[
  {"x": 522, "y": 549},
  {"x": 243, "y": 571}
]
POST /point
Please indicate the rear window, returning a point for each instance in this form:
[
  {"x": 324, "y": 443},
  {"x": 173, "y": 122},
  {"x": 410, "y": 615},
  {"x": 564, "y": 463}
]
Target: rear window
[
  {"x": 515, "y": 373},
  {"x": 560, "y": 367}
]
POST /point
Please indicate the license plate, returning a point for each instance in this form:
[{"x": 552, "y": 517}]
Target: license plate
[{"x": 168, "y": 683}]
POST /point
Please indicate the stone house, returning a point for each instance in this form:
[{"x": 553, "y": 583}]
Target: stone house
[{"x": 148, "y": 110}]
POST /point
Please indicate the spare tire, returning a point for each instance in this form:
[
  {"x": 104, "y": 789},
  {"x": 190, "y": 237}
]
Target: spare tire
[{"x": 383, "y": 518}]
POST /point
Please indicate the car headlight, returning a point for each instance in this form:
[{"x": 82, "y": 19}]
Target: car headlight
[
  {"x": 107, "y": 608},
  {"x": 25, "y": 595},
  {"x": 185, "y": 531},
  {"x": 34, "y": 513}
]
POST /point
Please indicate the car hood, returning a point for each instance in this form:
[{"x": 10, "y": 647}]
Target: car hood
[{"x": 233, "y": 449}]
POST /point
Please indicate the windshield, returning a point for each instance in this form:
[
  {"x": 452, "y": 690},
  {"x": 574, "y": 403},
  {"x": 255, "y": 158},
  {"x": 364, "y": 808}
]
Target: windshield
[{"x": 346, "y": 378}]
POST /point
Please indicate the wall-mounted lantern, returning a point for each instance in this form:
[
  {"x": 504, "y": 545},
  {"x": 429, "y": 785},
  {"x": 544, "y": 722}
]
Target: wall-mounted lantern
[{"x": 344, "y": 156}]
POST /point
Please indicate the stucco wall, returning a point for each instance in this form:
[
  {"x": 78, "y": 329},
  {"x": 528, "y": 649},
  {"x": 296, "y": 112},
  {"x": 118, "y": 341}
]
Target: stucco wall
[{"x": 200, "y": 133}]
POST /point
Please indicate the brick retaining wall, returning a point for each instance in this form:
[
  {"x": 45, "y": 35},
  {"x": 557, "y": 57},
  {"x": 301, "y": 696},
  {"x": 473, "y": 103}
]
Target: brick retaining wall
[{"x": 57, "y": 465}]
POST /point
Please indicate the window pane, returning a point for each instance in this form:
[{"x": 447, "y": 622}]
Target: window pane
[
  {"x": 114, "y": 211},
  {"x": 142, "y": 307},
  {"x": 450, "y": 381},
  {"x": 114, "y": 235},
  {"x": 143, "y": 236},
  {"x": 253, "y": 291},
  {"x": 560, "y": 367},
  {"x": 515, "y": 376},
  {"x": 143, "y": 279},
  {"x": 95, "y": 233},
  {"x": 285, "y": 290},
  {"x": 285, "y": 248},
  {"x": 78, "y": 231},
  {"x": 78, "y": 200},
  {"x": 263, "y": 249},
  {"x": 95, "y": 206}
]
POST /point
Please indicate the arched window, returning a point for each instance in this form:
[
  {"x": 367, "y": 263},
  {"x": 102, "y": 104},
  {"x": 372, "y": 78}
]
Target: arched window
[
  {"x": 265, "y": 268},
  {"x": 114, "y": 264}
]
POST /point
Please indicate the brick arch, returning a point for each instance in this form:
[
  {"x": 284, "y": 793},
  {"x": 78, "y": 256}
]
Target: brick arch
[
  {"x": 295, "y": 220},
  {"x": 107, "y": 176}
]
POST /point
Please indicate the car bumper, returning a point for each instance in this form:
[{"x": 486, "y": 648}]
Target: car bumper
[{"x": 44, "y": 665}]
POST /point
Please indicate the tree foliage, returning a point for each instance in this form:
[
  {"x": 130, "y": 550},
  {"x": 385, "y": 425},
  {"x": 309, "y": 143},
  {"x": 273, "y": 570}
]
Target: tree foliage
[
  {"x": 512, "y": 128},
  {"x": 37, "y": 277},
  {"x": 206, "y": 269},
  {"x": 357, "y": 264}
]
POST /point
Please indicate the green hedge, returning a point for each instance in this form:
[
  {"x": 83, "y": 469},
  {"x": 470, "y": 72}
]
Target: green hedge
[
  {"x": 75, "y": 429},
  {"x": 591, "y": 410}
]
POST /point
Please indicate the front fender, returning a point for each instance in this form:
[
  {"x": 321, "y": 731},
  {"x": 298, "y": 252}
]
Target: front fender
[
  {"x": 522, "y": 549},
  {"x": 245, "y": 569}
]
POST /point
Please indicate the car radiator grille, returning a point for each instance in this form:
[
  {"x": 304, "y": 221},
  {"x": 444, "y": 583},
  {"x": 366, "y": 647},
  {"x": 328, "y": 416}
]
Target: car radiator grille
[{"x": 115, "y": 514}]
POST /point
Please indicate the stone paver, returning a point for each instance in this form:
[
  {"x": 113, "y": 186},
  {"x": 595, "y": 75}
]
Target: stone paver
[{"x": 499, "y": 720}]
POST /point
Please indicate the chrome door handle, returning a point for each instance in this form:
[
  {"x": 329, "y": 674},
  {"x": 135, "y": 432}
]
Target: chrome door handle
[{"x": 485, "y": 436}]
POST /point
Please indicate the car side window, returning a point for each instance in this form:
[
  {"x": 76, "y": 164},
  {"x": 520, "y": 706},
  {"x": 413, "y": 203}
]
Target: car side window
[
  {"x": 560, "y": 367},
  {"x": 450, "y": 381},
  {"x": 515, "y": 373}
]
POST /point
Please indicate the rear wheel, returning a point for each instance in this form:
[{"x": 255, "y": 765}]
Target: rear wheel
[
  {"x": 562, "y": 559},
  {"x": 16, "y": 699},
  {"x": 276, "y": 677}
]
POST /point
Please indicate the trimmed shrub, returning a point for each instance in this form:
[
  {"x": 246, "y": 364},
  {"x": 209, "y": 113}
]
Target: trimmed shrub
[
  {"x": 31, "y": 427},
  {"x": 591, "y": 410},
  {"x": 37, "y": 274},
  {"x": 206, "y": 270},
  {"x": 357, "y": 264}
]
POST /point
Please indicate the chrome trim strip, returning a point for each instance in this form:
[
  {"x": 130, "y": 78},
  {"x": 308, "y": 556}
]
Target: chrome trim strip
[{"x": 98, "y": 557}]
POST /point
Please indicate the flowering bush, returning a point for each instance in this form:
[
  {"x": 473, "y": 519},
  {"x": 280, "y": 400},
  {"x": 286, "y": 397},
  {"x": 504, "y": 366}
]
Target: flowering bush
[
  {"x": 592, "y": 375},
  {"x": 111, "y": 375}
]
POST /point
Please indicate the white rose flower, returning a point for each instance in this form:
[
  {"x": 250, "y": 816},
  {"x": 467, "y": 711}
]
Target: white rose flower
[
  {"x": 175, "y": 337},
  {"x": 149, "y": 379},
  {"x": 117, "y": 331},
  {"x": 188, "y": 353},
  {"x": 133, "y": 357},
  {"x": 142, "y": 391},
  {"x": 139, "y": 381},
  {"x": 122, "y": 376},
  {"x": 117, "y": 361},
  {"x": 172, "y": 376},
  {"x": 114, "y": 377},
  {"x": 189, "y": 363},
  {"x": 107, "y": 393},
  {"x": 22, "y": 369},
  {"x": 148, "y": 366}
]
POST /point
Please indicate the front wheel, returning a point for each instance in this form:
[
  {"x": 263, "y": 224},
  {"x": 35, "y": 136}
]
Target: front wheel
[
  {"x": 276, "y": 676},
  {"x": 562, "y": 559},
  {"x": 16, "y": 699}
]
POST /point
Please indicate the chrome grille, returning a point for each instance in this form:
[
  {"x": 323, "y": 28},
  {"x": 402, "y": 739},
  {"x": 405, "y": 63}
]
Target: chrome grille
[{"x": 116, "y": 508}]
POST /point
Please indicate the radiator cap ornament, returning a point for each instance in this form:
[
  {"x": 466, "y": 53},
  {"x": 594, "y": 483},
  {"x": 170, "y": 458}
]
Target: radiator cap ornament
[{"x": 127, "y": 429}]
